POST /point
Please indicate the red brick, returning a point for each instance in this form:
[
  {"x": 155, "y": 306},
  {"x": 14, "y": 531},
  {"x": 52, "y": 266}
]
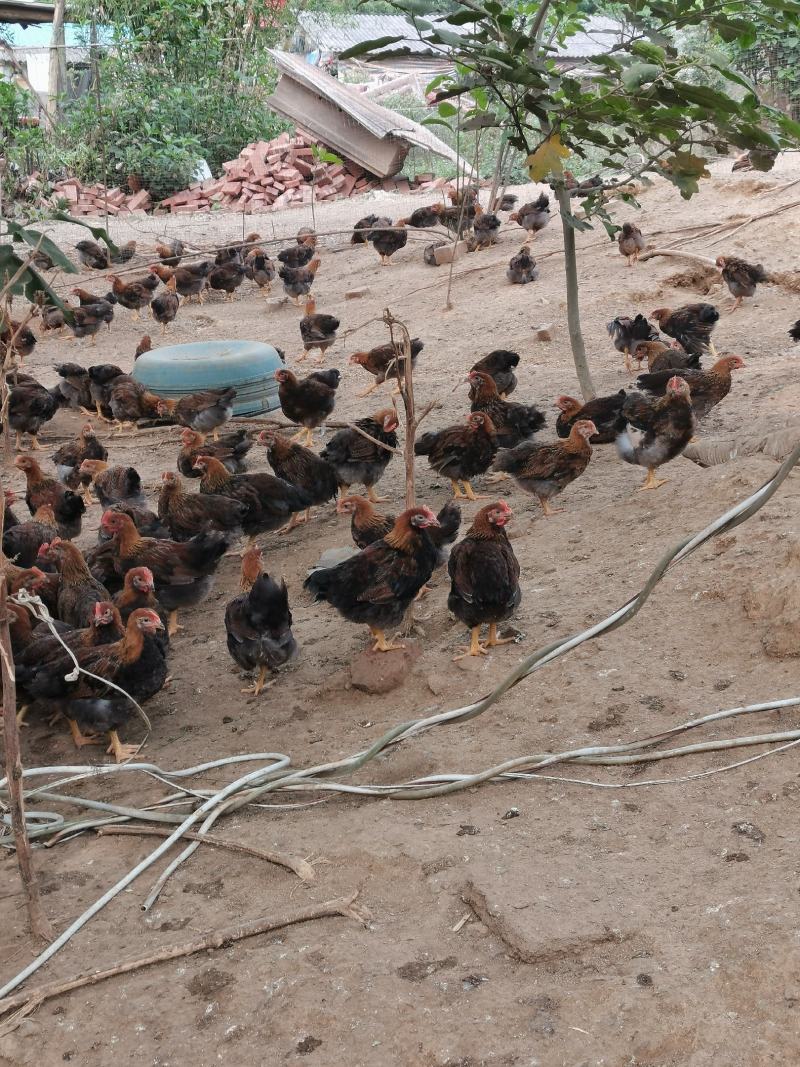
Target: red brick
[
  {"x": 139, "y": 199},
  {"x": 232, "y": 188},
  {"x": 348, "y": 184}
]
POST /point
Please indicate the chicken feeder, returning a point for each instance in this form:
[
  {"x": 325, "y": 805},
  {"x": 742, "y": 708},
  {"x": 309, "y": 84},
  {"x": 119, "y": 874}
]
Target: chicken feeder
[{"x": 248, "y": 366}]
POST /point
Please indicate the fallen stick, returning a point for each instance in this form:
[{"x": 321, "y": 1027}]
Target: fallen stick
[
  {"x": 692, "y": 257},
  {"x": 302, "y": 868},
  {"x": 346, "y": 907}
]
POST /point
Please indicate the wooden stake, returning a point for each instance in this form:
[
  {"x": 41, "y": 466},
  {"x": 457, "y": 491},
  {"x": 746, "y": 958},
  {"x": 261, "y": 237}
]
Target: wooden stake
[{"x": 40, "y": 926}]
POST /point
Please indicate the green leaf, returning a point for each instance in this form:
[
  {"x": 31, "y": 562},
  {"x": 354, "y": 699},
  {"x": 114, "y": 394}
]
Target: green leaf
[
  {"x": 611, "y": 229},
  {"x": 703, "y": 96},
  {"x": 44, "y": 244},
  {"x": 30, "y": 281},
  {"x": 484, "y": 120},
  {"x": 638, "y": 74},
  {"x": 374, "y": 45},
  {"x": 574, "y": 223},
  {"x": 447, "y": 110},
  {"x": 432, "y": 120},
  {"x": 652, "y": 53}
]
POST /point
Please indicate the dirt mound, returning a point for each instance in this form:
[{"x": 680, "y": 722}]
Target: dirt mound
[
  {"x": 699, "y": 279},
  {"x": 776, "y": 602}
]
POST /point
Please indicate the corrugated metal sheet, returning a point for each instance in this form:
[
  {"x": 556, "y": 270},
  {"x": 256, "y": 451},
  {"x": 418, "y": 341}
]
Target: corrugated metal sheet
[
  {"x": 336, "y": 35},
  {"x": 378, "y": 121}
]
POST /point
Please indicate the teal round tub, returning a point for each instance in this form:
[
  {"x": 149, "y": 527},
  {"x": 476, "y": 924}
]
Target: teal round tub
[{"x": 248, "y": 366}]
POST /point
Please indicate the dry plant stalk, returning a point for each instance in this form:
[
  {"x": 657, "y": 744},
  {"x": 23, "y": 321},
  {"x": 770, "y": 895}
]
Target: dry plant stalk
[
  {"x": 347, "y": 907},
  {"x": 39, "y": 923}
]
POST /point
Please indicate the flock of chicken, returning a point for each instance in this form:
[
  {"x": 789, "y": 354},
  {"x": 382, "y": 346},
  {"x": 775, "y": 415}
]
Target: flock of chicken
[{"x": 116, "y": 605}]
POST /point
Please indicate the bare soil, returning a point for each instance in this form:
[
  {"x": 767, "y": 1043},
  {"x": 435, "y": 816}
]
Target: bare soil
[{"x": 620, "y": 926}]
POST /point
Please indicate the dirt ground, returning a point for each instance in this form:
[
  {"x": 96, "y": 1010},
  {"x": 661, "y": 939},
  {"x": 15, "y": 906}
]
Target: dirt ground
[{"x": 631, "y": 926}]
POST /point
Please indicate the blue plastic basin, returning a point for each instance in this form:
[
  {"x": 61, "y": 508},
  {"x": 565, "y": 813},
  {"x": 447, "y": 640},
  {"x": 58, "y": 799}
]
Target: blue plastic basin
[{"x": 248, "y": 366}]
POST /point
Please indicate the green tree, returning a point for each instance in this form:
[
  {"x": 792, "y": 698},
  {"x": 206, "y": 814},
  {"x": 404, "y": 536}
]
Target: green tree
[
  {"x": 179, "y": 80},
  {"x": 643, "y": 97}
]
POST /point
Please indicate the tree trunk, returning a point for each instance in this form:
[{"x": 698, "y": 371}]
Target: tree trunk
[
  {"x": 58, "y": 66},
  {"x": 573, "y": 299}
]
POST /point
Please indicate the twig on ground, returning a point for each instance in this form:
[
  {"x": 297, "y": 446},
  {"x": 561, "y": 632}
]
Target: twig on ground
[
  {"x": 347, "y": 908},
  {"x": 300, "y": 867}
]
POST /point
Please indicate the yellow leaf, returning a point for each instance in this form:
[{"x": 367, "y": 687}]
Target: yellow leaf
[{"x": 547, "y": 158}]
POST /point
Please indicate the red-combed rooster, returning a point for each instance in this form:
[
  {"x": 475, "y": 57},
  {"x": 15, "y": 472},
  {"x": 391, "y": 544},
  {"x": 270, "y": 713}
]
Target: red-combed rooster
[
  {"x": 376, "y": 586},
  {"x": 484, "y": 577}
]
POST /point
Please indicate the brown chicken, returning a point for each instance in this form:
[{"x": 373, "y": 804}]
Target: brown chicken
[
  {"x": 741, "y": 277},
  {"x": 183, "y": 570},
  {"x": 93, "y": 255},
  {"x": 631, "y": 243},
  {"x": 484, "y": 578},
  {"x": 145, "y": 345},
  {"x": 533, "y": 217},
  {"x": 500, "y": 365},
  {"x": 67, "y": 506},
  {"x": 227, "y": 278},
  {"x": 512, "y": 422},
  {"x": 22, "y": 541},
  {"x": 358, "y": 460},
  {"x": 138, "y": 591},
  {"x": 690, "y": 325},
  {"x": 99, "y": 306},
  {"x": 546, "y": 470},
  {"x": 388, "y": 241},
  {"x": 603, "y": 411},
  {"x": 204, "y": 412},
  {"x": 385, "y": 361},
  {"x": 30, "y": 406},
  {"x": 522, "y": 268},
  {"x": 69, "y": 457},
  {"x": 317, "y": 331},
  {"x": 170, "y": 251},
  {"x": 269, "y": 500},
  {"x": 188, "y": 282},
  {"x": 164, "y": 307},
  {"x": 297, "y": 256},
  {"x": 231, "y": 449},
  {"x": 377, "y": 585},
  {"x": 461, "y": 452},
  {"x": 362, "y": 228},
  {"x": 124, "y": 253},
  {"x": 15, "y": 338},
  {"x": 300, "y": 467},
  {"x": 422, "y": 217},
  {"x": 78, "y": 591},
  {"x": 258, "y": 622},
  {"x": 708, "y": 388},
  {"x": 113, "y": 485},
  {"x": 260, "y": 269},
  {"x": 129, "y": 401},
  {"x": 186, "y": 514},
  {"x": 484, "y": 229},
  {"x": 664, "y": 357},
  {"x": 74, "y": 386},
  {"x": 297, "y": 283},
  {"x": 307, "y": 401},
  {"x": 366, "y": 525},
  {"x": 133, "y": 295},
  {"x": 98, "y": 707},
  {"x": 661, "y": 429}
]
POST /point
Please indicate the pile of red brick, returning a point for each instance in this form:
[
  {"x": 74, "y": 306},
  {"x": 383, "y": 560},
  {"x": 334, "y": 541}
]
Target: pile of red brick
[
  {"x": 282, "y": 173},
  {"x": 96, "y": 199}
]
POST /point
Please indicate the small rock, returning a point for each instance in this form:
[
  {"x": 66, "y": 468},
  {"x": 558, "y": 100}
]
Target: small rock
[
  {"x": 465, "y": 830},
  {"x": 544, "y": 332},
  {"x": 227, "y": 718},
  {"x": 736, "y": 857},
  {"x": 419, "y": 970},
  {"x": 356, "y": 294},
  {"x": 679, "y": 676},
  {"x": 435, "y": 684},
  {"x": 308, "y": 1044},
  {"x": 381, "y": 672},
  {"x": 512, "y": 813},
  {"x": 472, "y": 981},
  {"x": 721, "y": 685},
  {"x": 644, "y": 979},
  {"x": 749, "y": 830},
  {"x": 447, "y": 253}
]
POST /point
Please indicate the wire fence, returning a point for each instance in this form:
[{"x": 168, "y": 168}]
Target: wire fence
[{"x": 774, "y": 68}]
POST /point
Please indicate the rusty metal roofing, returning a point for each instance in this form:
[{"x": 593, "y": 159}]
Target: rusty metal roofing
[{"x": 380, "y": 121}]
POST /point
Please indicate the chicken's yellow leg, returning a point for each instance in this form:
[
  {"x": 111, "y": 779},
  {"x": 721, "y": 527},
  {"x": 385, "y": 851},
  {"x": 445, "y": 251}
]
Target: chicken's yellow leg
[
  {"x": 173, "y": 627},
  {"x": 381, "y": 644},
  {"x": 475, "y": 646},
  {"x": 651, "y": 481},
  {"x": 121, "y": 752},
  {"x": 79, "y": 738},
  {"x": 493, "y": 640}
]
